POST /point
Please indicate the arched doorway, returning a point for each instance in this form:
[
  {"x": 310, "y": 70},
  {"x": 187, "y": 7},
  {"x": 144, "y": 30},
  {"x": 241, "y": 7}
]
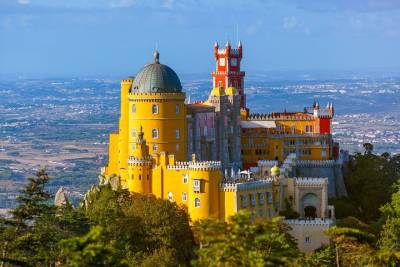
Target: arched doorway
[
  {"x": 310, "y": 212},
  {"x": 310, "y": 206}
]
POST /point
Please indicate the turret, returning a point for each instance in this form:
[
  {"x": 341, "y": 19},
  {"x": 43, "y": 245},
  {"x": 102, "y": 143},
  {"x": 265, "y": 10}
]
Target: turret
[
  {"x": 240, "y": 49},
  {"x": 216, "y": 46},
  {"x": 140, "y": 166}
]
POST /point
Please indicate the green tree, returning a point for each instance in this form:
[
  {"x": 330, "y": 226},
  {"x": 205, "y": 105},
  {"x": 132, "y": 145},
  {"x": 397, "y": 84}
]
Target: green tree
[
  {"x": 141, "y": 228},
  {"x": 30, "y": 237},
  {"x": 370, "y": 183},
  {"x": 243, "y": 242},
  {"x": 92, "y": 249}
]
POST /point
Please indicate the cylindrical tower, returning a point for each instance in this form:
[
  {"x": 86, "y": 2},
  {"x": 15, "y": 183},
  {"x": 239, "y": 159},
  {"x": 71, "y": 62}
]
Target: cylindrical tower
[
  {"x": 156, "y": 103},
  {"x": 139, "y": 167},
  {"x": 204, "y": 178},
  {"x": 123, "y": 135}
]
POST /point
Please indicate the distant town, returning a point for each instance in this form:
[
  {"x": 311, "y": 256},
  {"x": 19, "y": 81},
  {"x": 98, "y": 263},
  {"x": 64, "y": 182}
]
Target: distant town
[{"x": 63, "y": 124}]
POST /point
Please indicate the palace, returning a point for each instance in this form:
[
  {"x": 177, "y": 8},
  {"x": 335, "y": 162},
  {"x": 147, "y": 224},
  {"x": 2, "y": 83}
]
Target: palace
[{"x": 215, "y": 157}]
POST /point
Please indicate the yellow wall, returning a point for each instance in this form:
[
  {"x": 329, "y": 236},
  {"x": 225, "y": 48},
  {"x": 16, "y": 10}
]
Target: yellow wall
[
  {"x": 112, "y": 167},
  {"x": 167, "y": 121}
]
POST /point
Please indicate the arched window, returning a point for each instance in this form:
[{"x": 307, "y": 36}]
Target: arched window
[
  {"x": 205, "y": 131},
  {"x": 170, "y": 196},
  {"x": 184, "y": 196},
  {"x": 154, "y": 109},
  {"x": 133, "y": 132},
  {"x": 154, "y": 133},
  {"x": 155, "y": 147},
  {"x": 133, "y": 108},
  {"x": 177, "y": 133},
  {"x": 197, "y": 202},
  {"x": 177, "y": 108}
]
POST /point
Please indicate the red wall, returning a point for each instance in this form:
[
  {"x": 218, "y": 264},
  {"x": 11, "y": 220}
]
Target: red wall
[{"x": 324, "y": 126}]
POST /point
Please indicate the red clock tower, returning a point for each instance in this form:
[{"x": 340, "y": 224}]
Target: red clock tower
[{"x": 227, "y": 72}]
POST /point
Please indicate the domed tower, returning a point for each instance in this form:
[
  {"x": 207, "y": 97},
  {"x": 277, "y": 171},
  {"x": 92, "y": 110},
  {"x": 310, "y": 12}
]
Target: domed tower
[
  {"x": 156, "y": 103},
  {"x": 139, "y": 167}
]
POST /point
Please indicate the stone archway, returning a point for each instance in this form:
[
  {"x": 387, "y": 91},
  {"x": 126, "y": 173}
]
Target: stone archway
[
  {"x": 310, "y": 205},
  {"x": 310, "y": 212}
]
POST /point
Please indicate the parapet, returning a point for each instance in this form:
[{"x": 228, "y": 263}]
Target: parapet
[
  {"x": 317, "y": 163},
  {"x": 310, "y": 181},
  {"x": 310, "y": 223},
  {"x": 195, "y": 165},
  {"x": 250, "y": 185},
  {"x": 134, "y": 161},
  {"x": 267, "y": 163}
]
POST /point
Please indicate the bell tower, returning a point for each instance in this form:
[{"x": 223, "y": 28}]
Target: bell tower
[{"x": 227, "y": 71}]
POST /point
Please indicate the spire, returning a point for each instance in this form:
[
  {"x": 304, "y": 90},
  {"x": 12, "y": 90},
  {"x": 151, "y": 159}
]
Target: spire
[
  {"x": 156, "y": 57},
  {"x": 227, "y": 44},
  {"x": 216, "y": 44},
  {"x": 141, "y": 134},
  {"x": 240, "y": 44}
]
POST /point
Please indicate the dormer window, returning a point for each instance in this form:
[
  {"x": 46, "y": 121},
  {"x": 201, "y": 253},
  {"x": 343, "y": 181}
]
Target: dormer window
[{"x": 154, "y": 109}]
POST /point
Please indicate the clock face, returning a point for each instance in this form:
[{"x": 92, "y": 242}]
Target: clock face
[
  {"x": 222, "y": 61},
  {"x": 234, "y": 62}
]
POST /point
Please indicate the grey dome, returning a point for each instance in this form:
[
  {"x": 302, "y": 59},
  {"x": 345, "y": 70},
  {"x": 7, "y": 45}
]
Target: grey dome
[{"x": 156, "y": 78}]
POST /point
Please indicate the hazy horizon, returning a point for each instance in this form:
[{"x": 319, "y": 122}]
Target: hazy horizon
[{"x": 117, "y": 37}]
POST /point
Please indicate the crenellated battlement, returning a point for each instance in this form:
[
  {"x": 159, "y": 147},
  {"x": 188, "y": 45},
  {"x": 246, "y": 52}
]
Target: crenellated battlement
[
  {"x": 198, "y": 165},
  {"x": 134, "y": 161},
  {"x": 268, "y": 163},
  {"x": 310, "y": 181},
  {"x": 317, "y": 163},
  {"x": 280, "y": 116},
  {"x": 250, "y": 185},
  {"x": 205, "y": 165},
  {"x": 310, "y": 223}
]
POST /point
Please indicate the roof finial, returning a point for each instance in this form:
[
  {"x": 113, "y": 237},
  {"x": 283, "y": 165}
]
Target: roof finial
[{"x": 156, "y": 57}]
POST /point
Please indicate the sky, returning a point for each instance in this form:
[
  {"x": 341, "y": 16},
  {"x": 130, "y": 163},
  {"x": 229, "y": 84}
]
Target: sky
[{"x": 117, "y": 37}]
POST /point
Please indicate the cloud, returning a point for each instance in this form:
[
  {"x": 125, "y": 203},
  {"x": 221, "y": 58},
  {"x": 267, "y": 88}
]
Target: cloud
[
  {"x": 23, "y": 2},
  {"x": 346, "y": 5}
]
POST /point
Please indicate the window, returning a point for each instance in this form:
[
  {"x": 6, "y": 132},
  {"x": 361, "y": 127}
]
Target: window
[
  {"x": 177, "y": 108},
  {"x": 177, "y": 147},
  {"x": 154, "y": 109},
  {"x": 184, "y": 196},
  {"x": 308, "y": 129},
  {"x": 154, "y": 133},
  {"x": 260, "y": 213},
  {"x": 133, "y": 132},
  {"x": 155, "y": 147},
  {"x": 269, "y": 196},
  {"x": 170, "y": 196},
  {"x": 185, "y": 178},
  {"x": 197, "y": 202},
  {"x": 308, "y": 239},
  {"x": 253, "y": 199},
  {"x": 234, "y": 62},
  {"x": 205, "y": 131},
  {"x": 244, "y": 201},
  {"x": 262, "y": 198},
  {"x": 196, "y": 185},
  {"x": 220, "y": 83},
  {"x": 222, "y": 61},
  {"x": 177, "y": 133},
  {"x": 133, "y": 108},
  {"x": 235, "y": 83},
  {"x": 140, "y": 177},
  {"x": 323, "y": 153}
]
